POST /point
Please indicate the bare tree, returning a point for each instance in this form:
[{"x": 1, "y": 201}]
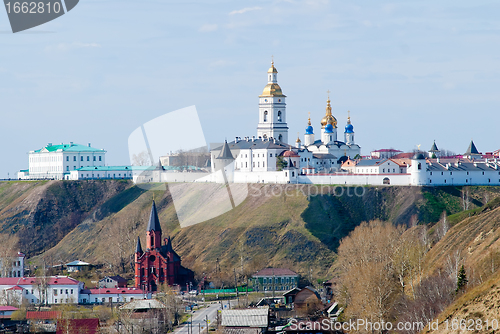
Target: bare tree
[
  {"x": 141, "y": 159},
  {"x": 8, "y": 254},
  {"x": 368, "y": 274}
]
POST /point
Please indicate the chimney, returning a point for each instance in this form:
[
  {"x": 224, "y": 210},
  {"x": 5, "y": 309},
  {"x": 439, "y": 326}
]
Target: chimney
[
  {"x": 89, "y": 144},
  {"x": 236, "y": 139},
  {"x": 253, "y": 138}
]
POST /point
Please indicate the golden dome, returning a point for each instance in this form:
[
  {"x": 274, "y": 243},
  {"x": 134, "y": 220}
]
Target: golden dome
[
  {"x": 272, "y": 89},
  {"x": 329, "y": 118},
  {"x": 272, "y": 69}
]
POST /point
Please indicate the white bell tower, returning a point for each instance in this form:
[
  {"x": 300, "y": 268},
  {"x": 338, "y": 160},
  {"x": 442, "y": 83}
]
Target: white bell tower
[{"x": 272, "y": 109}]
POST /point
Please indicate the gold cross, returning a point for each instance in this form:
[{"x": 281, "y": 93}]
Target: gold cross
[
  {"x": 272, "y": 60},
  {"x": 328, "y": 91}
]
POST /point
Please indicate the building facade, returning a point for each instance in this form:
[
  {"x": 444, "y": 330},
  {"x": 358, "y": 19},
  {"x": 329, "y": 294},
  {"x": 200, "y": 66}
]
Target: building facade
[
  {"x": 57, "y": 161},
  {"x": 275, "y": 279},
  {"x": 13, "y": 266},
  {"x": 158, "y": 263}
]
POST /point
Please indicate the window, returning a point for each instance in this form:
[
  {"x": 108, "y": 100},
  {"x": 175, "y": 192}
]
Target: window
[
  {"x": 66, "y": 291},
  {"x": 61, "y": 292},
  {"x": 67, "y": 168},
  {"x": 265, "y": 116},
  {"x": 100, "y": 158},
  {"x": 431, "y": 173},
  {"x": 74, "y": 158},
  {"x": 271, "y": 155},
  {"x": 55, "y": 300},
  {"x": 279, "y": 115},
  {"x": 55, "y": 292},
  {"x": 81, "y": 158},
  {"x": 67, "y": 158},
  {"x": 26, "y": 291},
  {"x": 383, "y": 170},
  {"x": 483, "y": 173},
  {"x": 88, "y": 158}
]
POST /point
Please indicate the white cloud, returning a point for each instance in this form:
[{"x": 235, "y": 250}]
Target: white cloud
[
  {"x": 244, "y": 10},
  {"x": 208, "y": 27}
]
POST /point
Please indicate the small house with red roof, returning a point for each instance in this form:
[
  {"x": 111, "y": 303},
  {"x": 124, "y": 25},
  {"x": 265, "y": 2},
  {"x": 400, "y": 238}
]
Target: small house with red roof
[{"x": 40, "y": 290}]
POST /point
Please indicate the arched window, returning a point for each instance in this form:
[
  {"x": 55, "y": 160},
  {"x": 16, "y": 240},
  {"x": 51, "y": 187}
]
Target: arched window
[
  {"x": 279, "y": 115},
  {"x": 419, "y": 166},
  {"x": 280, "y": 137},
  {"x": 265, "y": 116}
]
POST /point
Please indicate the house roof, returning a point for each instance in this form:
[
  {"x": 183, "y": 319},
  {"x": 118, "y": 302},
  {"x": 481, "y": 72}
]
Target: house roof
[
  {"x": 291, "y": 292},
  {"x": 255, "y": 144},
  {"x": 69, "y": 148},
  {"x": 275, "y": 272},
  {"x": 457, "y": 166},
  {"x": 117, "y": 278},
  {"x": 52, "y": 280},
  {"x": 77, "y": 263},
  {"x": 258, "y": 317},
  {"x": 370, "y": 162},
  {"x": 143, "y": 304},
  {"x": 387, "y": 150},
  {"x": 78, "y": 326},
  {"x": 15, "y": 287},
  {"x": 324, "y": 156},
  {"x": 42, "y": 315},
  {"x": 8, "y": 308}
]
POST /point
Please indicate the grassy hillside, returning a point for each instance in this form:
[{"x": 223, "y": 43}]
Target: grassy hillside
[
  {"x": 99, "y": 221},
  {"x": 473, "y": 241}
]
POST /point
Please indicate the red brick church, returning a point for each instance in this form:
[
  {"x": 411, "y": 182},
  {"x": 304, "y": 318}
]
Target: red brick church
[{"x": 158, "y": 264}]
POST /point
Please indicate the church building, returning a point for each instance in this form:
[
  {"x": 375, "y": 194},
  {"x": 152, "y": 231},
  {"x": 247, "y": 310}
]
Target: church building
[
  {"x": 158, "y": 264},
  {"x": 262, "y": 154}
]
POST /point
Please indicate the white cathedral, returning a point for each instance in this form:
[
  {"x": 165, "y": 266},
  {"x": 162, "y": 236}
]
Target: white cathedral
[{"x": 262, "y": 153}]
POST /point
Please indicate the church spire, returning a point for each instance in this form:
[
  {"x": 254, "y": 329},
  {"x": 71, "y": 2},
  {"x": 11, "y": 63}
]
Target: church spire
[
  {"x": 153, "y": 232},
  {"x": 154, "y": 222},
  {"x": 138, "y": 248}
]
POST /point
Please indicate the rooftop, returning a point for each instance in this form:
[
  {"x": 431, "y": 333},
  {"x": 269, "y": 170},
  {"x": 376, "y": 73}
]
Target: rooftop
[
  {"x": 258, "y": 317},
  {"x": 275, "y": 272},
  {"x": 71, "y": 147}
]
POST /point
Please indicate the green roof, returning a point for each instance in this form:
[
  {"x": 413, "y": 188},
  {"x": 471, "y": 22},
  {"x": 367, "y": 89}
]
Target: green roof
[{"x": 70, "y": 148}]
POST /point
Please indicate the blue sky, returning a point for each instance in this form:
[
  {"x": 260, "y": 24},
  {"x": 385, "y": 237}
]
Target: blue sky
[{"x": 409, "y": 71}]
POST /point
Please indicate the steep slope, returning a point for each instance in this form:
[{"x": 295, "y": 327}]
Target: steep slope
[
  {"x": 276, "y": 225},
  {"x": 297, "y": 226},
  {"x": 42, "y": 213}
]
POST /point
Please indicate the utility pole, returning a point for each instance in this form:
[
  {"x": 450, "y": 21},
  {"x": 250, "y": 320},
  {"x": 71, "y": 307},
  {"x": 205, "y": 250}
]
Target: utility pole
[
  {"x": 236, "y": 287},
  {"x": 206, "y": 319}
]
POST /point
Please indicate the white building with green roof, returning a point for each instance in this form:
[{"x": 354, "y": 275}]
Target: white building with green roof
[{"x": 57, "y": 161}]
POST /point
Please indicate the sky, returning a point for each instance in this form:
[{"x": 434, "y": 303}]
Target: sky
[{"x": 410, "y": 72}]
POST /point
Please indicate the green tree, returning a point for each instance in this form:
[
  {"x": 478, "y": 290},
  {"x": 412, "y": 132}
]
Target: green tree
[
  {"x": 281, "y": 163},
  {"x": 461, "y": 279}
]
